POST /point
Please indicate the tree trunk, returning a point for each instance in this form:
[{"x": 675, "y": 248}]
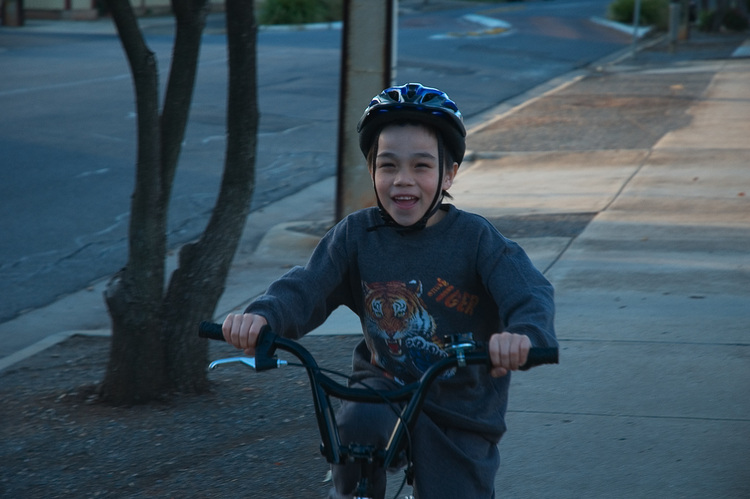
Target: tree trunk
[
  {"x": 135, "y": 372},
  {"x": 190, "y": 18},
  {"x": 155, "y": 348},
  {"x": 198, "y": 283}
]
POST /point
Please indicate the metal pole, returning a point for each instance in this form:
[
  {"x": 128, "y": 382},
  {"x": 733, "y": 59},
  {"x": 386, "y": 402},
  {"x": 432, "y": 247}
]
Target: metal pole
[
  {"x": 394, "y": 42},
  {"x": 636, "y": 22},
  {"x": 366, "y": 63},
  {"x": 674, "y": 24}
]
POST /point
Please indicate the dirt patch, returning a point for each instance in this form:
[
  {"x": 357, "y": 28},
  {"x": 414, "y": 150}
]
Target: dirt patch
[{"x": 253, "y": 435}]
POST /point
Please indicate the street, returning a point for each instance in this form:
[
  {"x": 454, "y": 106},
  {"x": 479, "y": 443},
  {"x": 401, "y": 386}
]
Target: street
[{"x": 67, "y": 137}]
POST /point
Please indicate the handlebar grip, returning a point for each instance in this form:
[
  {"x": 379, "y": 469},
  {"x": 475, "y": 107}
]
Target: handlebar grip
[
  {"x": 538, "y": 356},
  {"x": 210, "y": 330}
]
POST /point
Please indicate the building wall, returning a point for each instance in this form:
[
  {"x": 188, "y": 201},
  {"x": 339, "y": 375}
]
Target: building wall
[
  {"x": 58, "y": 4},
  {"x": 84, "y": 9}
]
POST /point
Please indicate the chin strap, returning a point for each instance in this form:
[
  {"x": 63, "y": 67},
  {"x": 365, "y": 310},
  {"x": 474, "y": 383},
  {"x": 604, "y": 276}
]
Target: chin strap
[{"x": 389, "y": 222}]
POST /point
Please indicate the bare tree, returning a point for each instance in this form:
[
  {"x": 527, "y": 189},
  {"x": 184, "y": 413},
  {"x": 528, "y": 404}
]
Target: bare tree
[{"x": 155, "y": 349}]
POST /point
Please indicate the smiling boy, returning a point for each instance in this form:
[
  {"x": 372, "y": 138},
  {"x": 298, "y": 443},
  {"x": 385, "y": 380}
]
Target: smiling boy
[{"x": 415, "y": 269}]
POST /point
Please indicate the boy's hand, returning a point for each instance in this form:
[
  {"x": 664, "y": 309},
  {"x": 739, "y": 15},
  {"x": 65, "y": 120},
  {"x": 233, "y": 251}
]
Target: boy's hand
[
  {"x": 241, "y": 331},
  {"x": 508, "y": 352}
]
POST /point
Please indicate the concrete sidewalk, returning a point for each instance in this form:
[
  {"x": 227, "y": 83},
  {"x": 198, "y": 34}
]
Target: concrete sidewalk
[
  {"x": 647, "y": 248},
  {"x": 653, "y": 312},
  {"x": 650, "y": 397},
  {"x": 635, "y": 205}
]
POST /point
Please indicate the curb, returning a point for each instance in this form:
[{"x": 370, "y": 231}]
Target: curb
[
  {"x": 47, "y": 342},
  {"x": 639, "y": 32},
  {"x": 743, "y": 50}
]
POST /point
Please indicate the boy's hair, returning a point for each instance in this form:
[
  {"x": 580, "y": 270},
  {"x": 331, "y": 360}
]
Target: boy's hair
[{"x": 372, "y": 152}]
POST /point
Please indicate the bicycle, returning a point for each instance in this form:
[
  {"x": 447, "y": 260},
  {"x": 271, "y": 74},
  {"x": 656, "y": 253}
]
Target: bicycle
[{"x": 462, "y": 351}]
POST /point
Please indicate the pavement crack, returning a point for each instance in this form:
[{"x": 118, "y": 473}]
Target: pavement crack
[
  {"x": 629, "y": 179},
  {"x": 655, "y": 342}
]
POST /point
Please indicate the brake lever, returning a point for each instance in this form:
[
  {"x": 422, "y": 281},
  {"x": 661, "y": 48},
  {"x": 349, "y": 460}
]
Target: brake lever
[{"x": 248, "y": 361}]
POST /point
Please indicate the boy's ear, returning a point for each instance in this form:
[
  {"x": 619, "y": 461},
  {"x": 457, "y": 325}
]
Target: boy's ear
[
  {"x": 372, "y": 175},
  {"x": 450, "y": 175},
  {"x": 370, "y": 164}
]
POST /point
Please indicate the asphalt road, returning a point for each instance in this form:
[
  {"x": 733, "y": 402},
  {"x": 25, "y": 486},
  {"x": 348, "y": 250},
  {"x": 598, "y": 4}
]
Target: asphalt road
[{"x": 67, "y": 132}]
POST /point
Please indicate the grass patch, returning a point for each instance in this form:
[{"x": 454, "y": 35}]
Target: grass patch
[
  {"x": 300, "y": 11},
  {"x": 653, "y": 13}
]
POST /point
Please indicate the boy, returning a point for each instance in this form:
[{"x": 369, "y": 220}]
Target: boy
[{"x": 414, "y": 270}]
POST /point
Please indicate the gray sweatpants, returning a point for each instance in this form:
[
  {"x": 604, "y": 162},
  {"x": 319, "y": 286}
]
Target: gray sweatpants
[{"x": 447, "y": 462}]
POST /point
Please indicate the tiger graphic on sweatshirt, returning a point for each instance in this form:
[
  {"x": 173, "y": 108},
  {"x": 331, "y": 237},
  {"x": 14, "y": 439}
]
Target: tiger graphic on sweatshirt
[{"x": 399, "y": 331}]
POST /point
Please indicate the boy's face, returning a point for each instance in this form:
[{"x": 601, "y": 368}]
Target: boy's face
[{"x": 407, "y": 172}]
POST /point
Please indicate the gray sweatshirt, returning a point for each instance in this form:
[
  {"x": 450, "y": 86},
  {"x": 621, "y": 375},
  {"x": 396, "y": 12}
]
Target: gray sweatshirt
[{"x": 410, "y": 289}]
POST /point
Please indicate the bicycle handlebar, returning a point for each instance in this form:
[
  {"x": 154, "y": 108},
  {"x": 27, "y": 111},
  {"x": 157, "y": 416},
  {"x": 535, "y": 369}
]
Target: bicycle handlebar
[{"x": 323, "y": 386}]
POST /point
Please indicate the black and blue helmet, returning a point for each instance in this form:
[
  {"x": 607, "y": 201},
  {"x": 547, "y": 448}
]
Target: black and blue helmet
[{"x": 414, "y": 102}]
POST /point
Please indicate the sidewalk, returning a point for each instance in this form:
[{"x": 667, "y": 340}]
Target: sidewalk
[
  {"x": 629, "y": 187},
  {"x": 650, "y": 397}
]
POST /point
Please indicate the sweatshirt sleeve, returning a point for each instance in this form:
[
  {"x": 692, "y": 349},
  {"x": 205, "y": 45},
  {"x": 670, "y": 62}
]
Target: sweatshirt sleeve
[
  {"x": 302, "y": 299},
  {"x": 525, "y": 298}
]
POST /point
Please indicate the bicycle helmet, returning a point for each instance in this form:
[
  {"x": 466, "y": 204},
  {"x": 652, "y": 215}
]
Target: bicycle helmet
[{"x": 415, "y": 103}]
